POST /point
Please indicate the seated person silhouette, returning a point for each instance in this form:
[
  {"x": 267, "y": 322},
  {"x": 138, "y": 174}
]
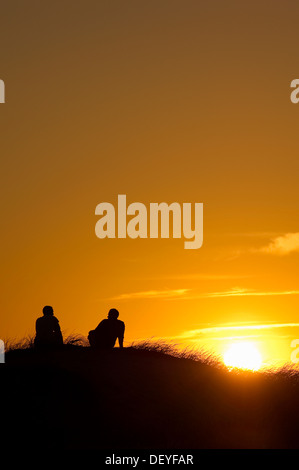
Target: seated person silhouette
[
  {"x": 107, "y": 332},
  {"x": 48, "y": 333}
]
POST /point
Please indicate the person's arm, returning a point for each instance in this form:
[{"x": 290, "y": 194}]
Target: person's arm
[
  {"x": 121, "y": 336},
  {"x": 57, "y": 331},
  {"x": 37, "y": 326},
  {"x": 100, "y": 325}
]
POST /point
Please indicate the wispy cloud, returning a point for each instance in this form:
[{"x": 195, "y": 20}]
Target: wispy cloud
[
  {"x": 189, "y": 294},
  {"x": 240, "y": 292},
  {"x": 153, "y": 294},
  {"x": 207, "y": 277},
  {"x": 193, "y": 277},
  {"x": 220, "y": 329},
  {"x": 283, "y": 245},
  {"x": 230, "y": 332}
]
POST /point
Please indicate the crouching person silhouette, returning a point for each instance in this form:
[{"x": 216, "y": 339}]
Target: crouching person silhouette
[
  {"x": 48, "y": 333},
  {"x": 107, "y": 332}
]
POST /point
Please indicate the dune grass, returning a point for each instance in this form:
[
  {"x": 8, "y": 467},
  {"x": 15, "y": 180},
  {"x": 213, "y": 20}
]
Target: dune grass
[
  {"x": 163, "y": 347},
  {"x": 27, "y": 342},
  {"x": 172, "y": 349},
  {"x": 286, "y": 373},
  {"x": 151, "y": 394}
]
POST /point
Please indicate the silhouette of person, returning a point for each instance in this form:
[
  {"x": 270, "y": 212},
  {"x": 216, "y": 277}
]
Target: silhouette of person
[
  {"x": 107, "y": 332},
  {"x": 48, "y": 333}
]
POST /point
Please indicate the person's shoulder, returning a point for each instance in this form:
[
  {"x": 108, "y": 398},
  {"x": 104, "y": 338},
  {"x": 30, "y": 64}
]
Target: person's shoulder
[
  {"x": 55, "y": 319},
  {"x": 120, "y": 322}
]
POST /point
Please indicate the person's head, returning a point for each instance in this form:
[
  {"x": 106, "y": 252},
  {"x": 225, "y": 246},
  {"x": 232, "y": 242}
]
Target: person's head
[
  {"x": 113, "y": 314},
  {"x": 47, "y": 310}
]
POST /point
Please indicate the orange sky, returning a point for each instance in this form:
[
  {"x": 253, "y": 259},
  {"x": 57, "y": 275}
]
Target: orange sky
[{"x": 161, "y": 101}]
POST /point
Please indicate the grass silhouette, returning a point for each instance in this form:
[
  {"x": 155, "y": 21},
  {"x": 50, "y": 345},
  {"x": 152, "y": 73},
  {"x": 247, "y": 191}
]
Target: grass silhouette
[{"x": 148, "y": 396}]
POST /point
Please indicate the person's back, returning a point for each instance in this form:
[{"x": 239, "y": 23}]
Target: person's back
[
  {"x": 108, "y": 331},
  {"x": 48, "y": 333}
]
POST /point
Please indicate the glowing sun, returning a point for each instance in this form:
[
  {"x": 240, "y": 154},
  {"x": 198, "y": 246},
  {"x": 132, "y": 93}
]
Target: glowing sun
[{"x": 243, "y": 355}]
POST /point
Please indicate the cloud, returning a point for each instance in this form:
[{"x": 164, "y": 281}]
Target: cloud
[
  {"x": 283, "y": 245},
  {"x": 189, "y": 294},
  {"x": 207, "y": 277},
  {"x": 227, "y": 332},
  {"x": 219, "y": 329},
  {"x": 240, "y": 292},
  {"x": 153, "y": 294}
]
